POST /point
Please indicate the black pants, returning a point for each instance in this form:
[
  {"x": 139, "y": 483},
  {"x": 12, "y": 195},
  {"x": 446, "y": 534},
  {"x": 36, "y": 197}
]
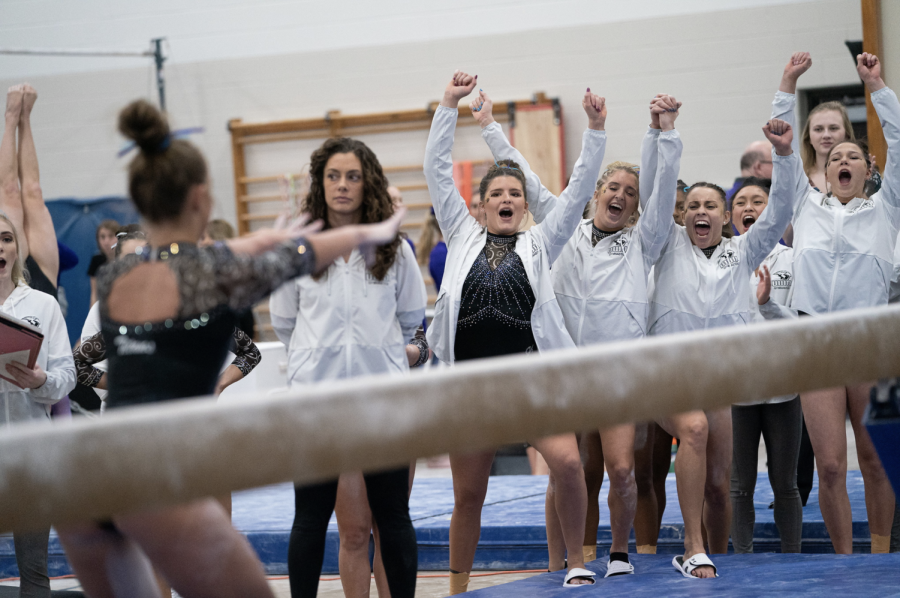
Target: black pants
[
  {"x": 806, "y": 465},
  {"x": 388, "y": 494},
  {"x": 779, "y": 424},
  {"x": 31, "y": 558}
]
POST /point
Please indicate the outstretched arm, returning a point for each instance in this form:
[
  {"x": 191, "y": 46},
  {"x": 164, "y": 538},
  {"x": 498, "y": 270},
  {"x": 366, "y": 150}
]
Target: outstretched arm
[
  {"x": 449, "y": 206},
  {"x": 656, "y": 220},
  {"x": 762, "y": 238},
  {"x": 559, "y": 225},
  {"x": 247, "y": 357},
  {"x": 540, "y": 200},
  {"x": 38, "y": 224}
]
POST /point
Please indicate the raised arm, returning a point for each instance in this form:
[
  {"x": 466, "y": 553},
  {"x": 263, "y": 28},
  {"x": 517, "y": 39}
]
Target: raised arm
[
  {"x": 649, "y": 156},
  {"x": 540, "y": 200},
  {"x": 888, "y": 108},
  {"x": 559, "y": 224},
  {"x": 783, "y": 107},
  {"x": 449, "y": 206},
  {"x": 768, "y": 307},
  {"x": 763, "y": 236},
  {"x": 656, "y": 220}
]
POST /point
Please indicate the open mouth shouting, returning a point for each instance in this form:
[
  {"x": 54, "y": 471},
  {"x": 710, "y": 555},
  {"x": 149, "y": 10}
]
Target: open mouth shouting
[
  {"x": 845, "y": 177},
  {"x": 2, "y": 263},
  {"x": 748, "y": 220},
  {"x": 615, "y": 209},
  {"x": 506, "y": 214},
  {"x": 702, "y": 228}
]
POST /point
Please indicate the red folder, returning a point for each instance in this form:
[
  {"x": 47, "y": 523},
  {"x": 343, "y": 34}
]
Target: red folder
[{"x": 16, "y": 336}]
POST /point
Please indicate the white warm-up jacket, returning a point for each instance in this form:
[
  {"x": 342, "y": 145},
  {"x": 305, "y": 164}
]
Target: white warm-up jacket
[
  {"x": 780, "y": 265},
  {"x": 537, "y": 247},
  {"x": 844, "y": 254},
  {"x": 55, "y": 357},
  {"x": 348, "y": 323},
  {"x": 693, "y": 292},
  {"x": 602, "y": 289}
]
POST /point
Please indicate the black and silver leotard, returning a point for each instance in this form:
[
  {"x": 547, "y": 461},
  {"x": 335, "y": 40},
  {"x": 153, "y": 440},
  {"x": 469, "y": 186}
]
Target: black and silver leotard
[
  {"x": 182, "y": 356},
  {"x": 497, "y": 301}
]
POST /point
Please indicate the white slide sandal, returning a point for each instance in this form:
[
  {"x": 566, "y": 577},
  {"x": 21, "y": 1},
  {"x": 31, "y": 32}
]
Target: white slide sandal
[
  {"x": 614, "y": 568},
  {"x": 579, "y": 574},
  {"x": 698, "y": 560}
]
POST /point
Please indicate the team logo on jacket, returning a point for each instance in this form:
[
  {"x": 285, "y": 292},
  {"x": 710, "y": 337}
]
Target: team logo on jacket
[
  {"x": 729, "y": 258},
  {"x": 866, "y": 205},
  {"x": 372, "y": 279},
  {"x": 782, "y": 279},
  {"x": 619, "y": 246},
  {"x": 534, "y": 247},
  {"x": 33, "y": 320}
]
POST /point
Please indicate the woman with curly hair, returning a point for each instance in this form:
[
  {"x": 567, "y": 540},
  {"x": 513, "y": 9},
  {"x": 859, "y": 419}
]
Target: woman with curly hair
[{"x": 350, "y": 320}]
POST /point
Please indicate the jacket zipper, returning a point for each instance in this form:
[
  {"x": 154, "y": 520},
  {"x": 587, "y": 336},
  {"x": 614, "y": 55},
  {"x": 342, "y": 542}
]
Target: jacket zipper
[
  {"x": 348, "y": 326},
  {"x": 589, "y": 271},
  {"x": 838, "y": 231}
]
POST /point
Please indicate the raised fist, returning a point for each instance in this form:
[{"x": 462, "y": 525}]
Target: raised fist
[
  {"x": 780, "y": 134},
  {"x": 799, "y": 63},
  {"x": 459, "y": 87},
  {"x": 482, "y": 109},
  {"x": 595, "y": 108}
]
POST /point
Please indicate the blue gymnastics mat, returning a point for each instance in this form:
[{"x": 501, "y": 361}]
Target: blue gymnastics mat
[
  {"x": 740, "y": 576},
  {"x": 513, "y": 536}
]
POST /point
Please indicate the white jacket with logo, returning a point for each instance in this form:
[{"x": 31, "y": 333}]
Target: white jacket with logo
[
  {"x": 844, "y": 254},
  {"x": 537, "y": 247},
  {"x": 780, "y": 265},
  {"x": 602, "y": 290},
  {"x": 348, "y": 323},
  {"x": 693, "y": 292},
  {"x": 55, "y": 357}
]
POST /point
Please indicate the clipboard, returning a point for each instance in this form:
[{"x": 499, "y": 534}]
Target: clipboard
[{"x": 19, "y": 341}]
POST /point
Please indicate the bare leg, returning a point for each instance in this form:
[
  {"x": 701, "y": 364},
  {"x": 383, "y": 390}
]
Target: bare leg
[
  {"x": 646, "y": 530},
  {"x": 354, "y": 527},
  {"x": 880, "y": 499},
  {"x": 690, "y": 475},
  {"x": 618, "y": 451},
  {"x": 38, "y": 223},
  {"x": 10, "y": 195},
  {"x": 98, "y": 555},
  {"x": 717, "y": 493},
  {"x": 592, "y": 457},
  {"x": 556, "y": 543},
  {"x": 470, "y": 481},
  {"x": 825, "y": 412},
  {"x": 561, "y": 454},
  {"x": 662, "y": 463},
  {"x": 198, "y": 551},
  {"x": 381, "y": 583}
]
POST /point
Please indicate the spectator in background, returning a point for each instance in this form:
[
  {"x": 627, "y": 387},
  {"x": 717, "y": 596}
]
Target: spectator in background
[
  {"x": 221, "y": 230},
  {"x": 434, "y": 250},
  {"x": 106, "y": 242},
  {"x": 680, "y": 194},
  {"x": 755, "y": 162}
]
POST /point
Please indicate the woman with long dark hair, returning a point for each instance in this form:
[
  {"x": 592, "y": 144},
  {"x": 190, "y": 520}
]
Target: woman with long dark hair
[{"x": 352, "y": 319}]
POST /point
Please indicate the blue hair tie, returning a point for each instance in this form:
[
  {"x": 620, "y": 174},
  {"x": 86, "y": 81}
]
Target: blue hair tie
[{"x": 504, "y": 166}]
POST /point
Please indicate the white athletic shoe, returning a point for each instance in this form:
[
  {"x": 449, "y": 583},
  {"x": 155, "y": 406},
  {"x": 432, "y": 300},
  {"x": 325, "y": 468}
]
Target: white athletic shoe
[{"x": 618, "y": 568}]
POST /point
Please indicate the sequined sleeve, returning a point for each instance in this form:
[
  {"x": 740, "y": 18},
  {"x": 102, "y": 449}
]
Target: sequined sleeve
[
  {"x": 245, "y": 280},
  {"x": 247, "y": 355},
  {"x": 421, "y": 344},
  {"x": 90, "y": 351}
]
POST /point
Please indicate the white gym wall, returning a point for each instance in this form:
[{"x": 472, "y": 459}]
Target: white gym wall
[{"x": 274, "y": 60}]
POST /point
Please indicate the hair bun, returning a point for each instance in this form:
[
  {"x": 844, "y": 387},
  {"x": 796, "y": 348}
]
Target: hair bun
[{"x": 143, "y": 123}]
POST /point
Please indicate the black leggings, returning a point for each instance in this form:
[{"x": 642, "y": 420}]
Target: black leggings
[
  {"x": 388, "y": 494},
  {"x": 779, "y": 424}
]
